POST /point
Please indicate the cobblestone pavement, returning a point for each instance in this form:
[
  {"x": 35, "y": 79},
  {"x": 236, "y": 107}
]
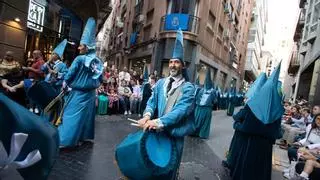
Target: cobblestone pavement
[{"x": 95, "y": 161}]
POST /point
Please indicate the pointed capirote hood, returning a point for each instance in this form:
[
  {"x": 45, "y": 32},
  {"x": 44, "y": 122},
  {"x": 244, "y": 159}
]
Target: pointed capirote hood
[{"x": 266, "y": 104}]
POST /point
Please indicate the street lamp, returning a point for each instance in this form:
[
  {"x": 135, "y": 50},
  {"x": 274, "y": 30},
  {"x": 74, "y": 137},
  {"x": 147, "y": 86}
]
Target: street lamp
[{"x": 17, "y": 19}]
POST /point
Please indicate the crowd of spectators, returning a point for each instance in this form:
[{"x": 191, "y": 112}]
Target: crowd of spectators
[{"x": 301, "y": 139}]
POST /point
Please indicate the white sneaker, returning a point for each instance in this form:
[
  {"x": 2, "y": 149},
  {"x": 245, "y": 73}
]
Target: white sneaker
[
  {"x": 36, "y": 110},
  {"x": 31, "y": 109},
  {"x": 286, "y": 175},
  {"x": 130, "y": 113},
  {"x": 286, "y": 170},
  {"x": 125, "y": 112}
]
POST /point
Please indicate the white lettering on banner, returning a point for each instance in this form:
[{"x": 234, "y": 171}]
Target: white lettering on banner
[{"x": 36, "y": 16}]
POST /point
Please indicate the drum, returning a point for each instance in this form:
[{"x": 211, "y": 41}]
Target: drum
[
  {"x": 42, "y": 93},
  {"x": 143, "y": 155}
]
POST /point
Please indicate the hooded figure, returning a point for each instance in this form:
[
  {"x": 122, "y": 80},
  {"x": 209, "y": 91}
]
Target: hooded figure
[
  {"x": 258, "y": 83},
  {"x": 231, "y": 100},
  {"x": 83, "y": 77},
  {"x": 172, "y": 102},
  {"x": 257, "y": 126},
  {"x": 203, "y": 111},
  {"x": 146, "y": 89},
  {"x": 23, "y": 136}
]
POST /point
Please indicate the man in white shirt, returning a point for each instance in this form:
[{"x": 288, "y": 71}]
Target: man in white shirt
[{"x": 124, "y": 75}]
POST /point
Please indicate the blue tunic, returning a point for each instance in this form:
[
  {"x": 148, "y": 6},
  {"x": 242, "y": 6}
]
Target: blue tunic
[
  {"x": 61, "y": 69},
  {"x": 203, "y": 112},
  {"x": 79, "y": 113},
  {"x": 250, "y": 152},
  {"x": 176, "y": 122}
]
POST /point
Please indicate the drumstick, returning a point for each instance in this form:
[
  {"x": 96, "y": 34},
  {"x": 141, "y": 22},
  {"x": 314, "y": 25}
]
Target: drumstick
[
  {"x": 133, "y": 124},
  {"x": 132, "y": 120}
]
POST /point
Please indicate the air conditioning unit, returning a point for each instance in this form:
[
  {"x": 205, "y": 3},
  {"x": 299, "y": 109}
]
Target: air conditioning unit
[
  {"x": 140, "y": 18},
  {"x": 119, "y": 23},
  {"x": 227, "y": 8},
  {"x": 226, "y": 34},
  {"x": 230, "y": 17}
]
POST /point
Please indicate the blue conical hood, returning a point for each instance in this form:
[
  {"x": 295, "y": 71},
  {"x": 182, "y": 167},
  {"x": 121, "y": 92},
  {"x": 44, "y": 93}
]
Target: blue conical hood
[
  {"x": 88, "y": 35},
  {"x": 178, "y": 47},
  {"x": 145, "y": 74},
  {"x": 60, "y": 48},
  {"x": 208, "y": 82},
  {"x": 266, "y": 104},
  {"x": 256, "y": 86}
]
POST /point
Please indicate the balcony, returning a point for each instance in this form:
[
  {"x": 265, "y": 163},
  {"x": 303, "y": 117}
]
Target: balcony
[
  {"x": 313, "y": 33},
  {"x": 294, "y": 63},
  {"x": 302, "y": 3},
  {"x": 138, "y": 8},
  {"x": 172, "y": 22},
  {"x": 302, "y": 18},
  {"x": 251, "y": 66},
  {"x": 303, "y": 48}
]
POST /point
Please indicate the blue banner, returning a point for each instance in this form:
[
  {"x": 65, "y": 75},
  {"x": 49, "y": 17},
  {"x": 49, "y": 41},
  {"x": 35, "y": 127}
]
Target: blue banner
[{"x": 176, "y": 21}]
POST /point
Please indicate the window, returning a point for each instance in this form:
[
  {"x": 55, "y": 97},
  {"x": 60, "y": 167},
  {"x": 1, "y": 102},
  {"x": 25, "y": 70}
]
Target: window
[
  {"x": 182, "y": 6},
  {"x": 211, "y": 20},
  {"x": 150, "y": 16},
  {"x": 223, "y": 78},
  {"x": 147, "y": 33},
  {"x": 316, "y": 13},
  {"x": 220, "y": 30}
]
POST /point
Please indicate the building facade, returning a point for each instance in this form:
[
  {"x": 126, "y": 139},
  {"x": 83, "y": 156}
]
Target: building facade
[
  {"x": 215, "y": 36},
  {"x": 305, "y": 57},
  {"x": 41, "y": 24},
  {"x": 256, "y": 40}
]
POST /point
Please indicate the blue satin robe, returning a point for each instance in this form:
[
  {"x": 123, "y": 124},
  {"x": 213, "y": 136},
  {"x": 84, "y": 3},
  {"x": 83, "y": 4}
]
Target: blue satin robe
[
  {"x": 79, "y": 113},
  {"x": 203, "y": 112},
  {"x": 178, "y": 122}
]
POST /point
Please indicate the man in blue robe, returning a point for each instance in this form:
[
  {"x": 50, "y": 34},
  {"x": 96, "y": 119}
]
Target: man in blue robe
[
  {"x": 203, "y": 111},
  {"x": 172, "y": 101},
  {"x": 83, "y": 77},
  {"x": 55, "y": 69},
  {"x": 257, "y": 126}
]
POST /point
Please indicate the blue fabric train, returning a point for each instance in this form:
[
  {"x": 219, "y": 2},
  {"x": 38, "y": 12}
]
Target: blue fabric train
[{"x": 41, "y": 135}]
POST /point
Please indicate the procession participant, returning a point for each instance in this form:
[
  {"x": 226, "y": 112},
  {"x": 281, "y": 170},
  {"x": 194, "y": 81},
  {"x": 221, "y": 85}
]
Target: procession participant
[
  {"x": 257, "y": 126},
  {"x": 172, "y": 101},
  {"x": 55, "y": 68},
  {"x": 83, "y": 77},
  {"x": 203, "y": 111}
]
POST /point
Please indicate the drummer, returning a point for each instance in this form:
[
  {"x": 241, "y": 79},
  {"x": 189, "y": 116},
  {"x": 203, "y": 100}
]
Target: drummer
[
  {"x": 172, "y": 99},
  {"x": 55, "y": 68}
]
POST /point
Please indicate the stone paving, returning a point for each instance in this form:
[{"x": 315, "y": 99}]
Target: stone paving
[
  {"x": 95, "y": 161},
  {"x": 201, "y": 158}
]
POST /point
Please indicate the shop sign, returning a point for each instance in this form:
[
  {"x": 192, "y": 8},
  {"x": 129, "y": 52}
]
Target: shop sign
[{"x": 36, "y": 14}]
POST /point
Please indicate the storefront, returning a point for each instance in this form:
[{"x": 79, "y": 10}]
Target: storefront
[
  {"x": 139, "y": 63},
  {"x": 48, "y": 24}
]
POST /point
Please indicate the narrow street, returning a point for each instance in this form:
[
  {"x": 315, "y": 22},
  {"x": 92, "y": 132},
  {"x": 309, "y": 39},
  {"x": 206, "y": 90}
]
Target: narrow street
[{"x": 201, "y": 158}]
